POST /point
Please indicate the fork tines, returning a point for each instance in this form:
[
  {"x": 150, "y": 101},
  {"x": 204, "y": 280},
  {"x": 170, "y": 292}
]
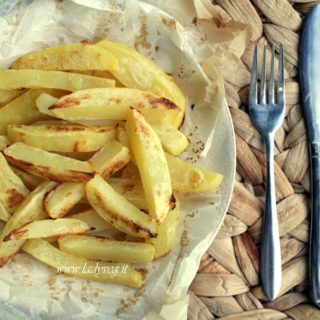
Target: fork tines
[{"x": 253, "y": 99}]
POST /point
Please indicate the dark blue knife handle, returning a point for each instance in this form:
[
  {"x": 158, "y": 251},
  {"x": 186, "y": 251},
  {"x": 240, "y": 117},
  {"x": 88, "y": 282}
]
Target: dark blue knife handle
[
  {"x": 314, "y": 263},
  {"x": 309, "y": 60}
]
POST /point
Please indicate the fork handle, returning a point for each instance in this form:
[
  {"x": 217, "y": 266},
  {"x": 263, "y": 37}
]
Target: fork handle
[
  {"x": 314, "y": 263},
  {"x": 270, "y": 270}
]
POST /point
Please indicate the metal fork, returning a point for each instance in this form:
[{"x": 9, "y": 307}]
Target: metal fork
[{"x": 267, "y": 116}]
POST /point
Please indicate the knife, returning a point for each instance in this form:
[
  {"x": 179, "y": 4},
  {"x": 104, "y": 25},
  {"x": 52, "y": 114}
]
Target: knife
[{"x": 309, "y": 58}]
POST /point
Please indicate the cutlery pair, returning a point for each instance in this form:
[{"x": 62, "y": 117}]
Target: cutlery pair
[{"x": 267, "y": 113}]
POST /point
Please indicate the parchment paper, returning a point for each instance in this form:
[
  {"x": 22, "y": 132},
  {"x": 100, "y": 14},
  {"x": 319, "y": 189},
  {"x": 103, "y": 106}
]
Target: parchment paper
[{"x": 31, "y": 289}]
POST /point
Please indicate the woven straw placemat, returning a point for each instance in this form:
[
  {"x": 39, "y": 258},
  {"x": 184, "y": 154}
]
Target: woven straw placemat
[{"x": 227, "y": 283}]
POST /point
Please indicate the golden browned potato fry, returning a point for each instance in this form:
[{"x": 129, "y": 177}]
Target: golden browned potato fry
[
  {"x": 8, "y": 250},
  {"x": 121, "y": 135},
  {"x": 121, "y": 273},
  {"x": 167, "y": 232},
  {"x": 92, "y": 218},
  {"x": 47, "y": 165},
  {"x": 12, "y": 189},
  {"x": 98, "y": 248},
  {"x": 188, "y": 178},
  {"x": 110, "y": 159},
  {"x": 172, "y": 140},
  {"x": 30, "y": 209},
  {"x": 8, "y": 95},
  {"x": 152, "y": 164},
  {"x": 4, "y": 142},
  {"x": 117, "y": 210},
  {"x": 108, "y": 75},
  {"x": 35, "y": 79},
  {"x": 109, "y": 104},
  {"x": 4, "y": 214},
  {"x": 138, "y": 71},
  {"x": 63, "y": 198},
  {"x": 131, "y": 171},
  {"x": 43, "y": 102},
  {"x": 87, "y": 72},
  {"x": 51, "y": 239},
  {"x": 68, "y": 56},
  {"x": 28, "y": 179},
  {"x": 131, "y": 189},
  {"x": 21, "y": 110},
  {"x": 83, "y": 156},
  {"x": 62, "y": 138},
  {"x": 52, "y": 122},
  {"x": 48, "y": 228}
]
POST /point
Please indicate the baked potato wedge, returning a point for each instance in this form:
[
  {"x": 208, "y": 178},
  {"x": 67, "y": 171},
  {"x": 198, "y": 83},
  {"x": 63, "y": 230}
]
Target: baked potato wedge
[
  {"x": 138, "y": 71},
  {"x": 173, "y": 141},
  {"x": 28, "y": 179},
  {"x": 47, "y": 165},
  {"x": 131, "y": 189},
  {"x": 167, "y": 232},
  {"x": 4, "y": 142},
  {"x": 120, "y": 273},
  {"x": 83, "y": 156},
  {"x": 68, "y": 56},
  {"x": 117, "y": 210},
  {"x": 131, "y": 171},
  {"x": 63, "y": 198},
  {"x": 62, "y": 138},
  {"x": 152, "y": 164},
  {"x": 12, "y": 189},
  {"x": 121, "y": 135},
  {"x": 48, "y": 228},
  {"x": 108, "y": 75},
  {"x": 35, "y": 79},
  {"x": 30, "y": 209},
  {"x": 95, "y": 248},
  {"x": 7, "y": 96},
  {"x": 110, "y": 159},
  {"x": 112, "y": 104},
  {"x": 43, "y": 102},
  {"x": 186, "y": 177},
  {"x": 22, "y": 110},
  {"x": 8, "y": 250},
  {"x": 93, "y": 219},
  {"x": 4, "y": 214}
]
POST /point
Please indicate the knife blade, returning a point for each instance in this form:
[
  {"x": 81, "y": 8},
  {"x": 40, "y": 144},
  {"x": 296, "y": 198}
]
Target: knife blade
[{"x": 309, "y": 63}]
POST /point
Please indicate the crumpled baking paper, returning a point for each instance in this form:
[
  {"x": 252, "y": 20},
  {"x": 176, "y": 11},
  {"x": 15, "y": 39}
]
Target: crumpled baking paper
[{"x": 197, "y": 34}]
